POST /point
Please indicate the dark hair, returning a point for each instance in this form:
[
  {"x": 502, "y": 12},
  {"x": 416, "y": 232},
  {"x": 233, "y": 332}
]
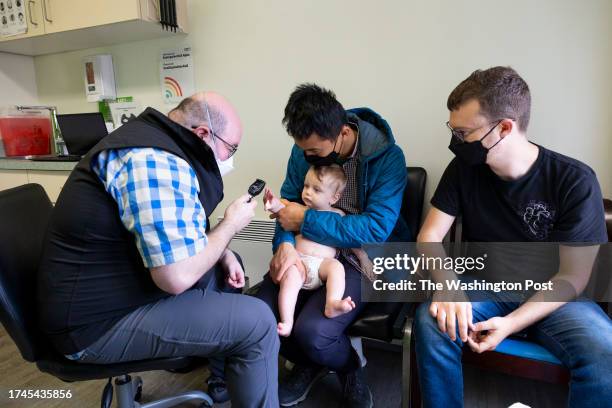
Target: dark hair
[
  {"x": 312, "y": 109},
  {"x": 501, "y": 92},
  {"x": 334, "y": 171}
]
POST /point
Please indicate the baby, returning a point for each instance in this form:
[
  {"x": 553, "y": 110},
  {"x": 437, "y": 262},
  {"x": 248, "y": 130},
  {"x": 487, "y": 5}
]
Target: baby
[{"x": 323, "y": 187}]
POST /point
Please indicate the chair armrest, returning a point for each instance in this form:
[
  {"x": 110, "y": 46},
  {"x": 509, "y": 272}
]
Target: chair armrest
[
  {"x": 252, "y": 291},
  {"x": 406, "y": 311}
]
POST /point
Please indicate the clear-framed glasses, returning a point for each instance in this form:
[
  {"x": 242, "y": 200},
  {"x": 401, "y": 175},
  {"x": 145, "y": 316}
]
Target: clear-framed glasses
[{"x": 232, "y": 148}]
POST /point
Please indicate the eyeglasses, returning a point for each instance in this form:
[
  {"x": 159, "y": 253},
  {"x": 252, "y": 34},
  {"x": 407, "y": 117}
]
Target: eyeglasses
[
  {"x": 232, "y": 148},
  {"x": 462, "y": 134}
]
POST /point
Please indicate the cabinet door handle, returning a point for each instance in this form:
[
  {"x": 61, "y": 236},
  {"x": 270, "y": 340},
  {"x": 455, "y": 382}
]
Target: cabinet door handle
[
  {"x": 44, "y": 2},
  {"x": 30, "y": 2}
]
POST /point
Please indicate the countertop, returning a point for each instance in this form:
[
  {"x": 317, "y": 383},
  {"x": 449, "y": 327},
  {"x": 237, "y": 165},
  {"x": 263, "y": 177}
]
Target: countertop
[{"x": 7, "y": 163}]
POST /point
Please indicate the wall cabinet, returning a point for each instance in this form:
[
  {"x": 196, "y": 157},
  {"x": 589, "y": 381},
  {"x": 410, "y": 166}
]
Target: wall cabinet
[
  {"x": 66, "y": 25},
  {"x": 65, "y": 15},
  {"x": 12, "y": 178},
  {"x": 51, "y": 180},
  {"x": 34, "y": 19}
]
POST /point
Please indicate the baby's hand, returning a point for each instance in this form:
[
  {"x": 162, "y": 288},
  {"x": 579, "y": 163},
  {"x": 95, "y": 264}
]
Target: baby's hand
[
  {"x": 267, "y": 198},
  {"x": 271, "y": 202}
]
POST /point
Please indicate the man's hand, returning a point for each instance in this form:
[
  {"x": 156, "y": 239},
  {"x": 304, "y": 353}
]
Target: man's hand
[
  {"x": 240, "y": 212},
  {"x": 283, "y": 258},
  {"x": 453, "y": 315},
  {"x": 233, "y": 269},
  {"x": 291, "y": 217},
  {"x": 487, "y": 335}
]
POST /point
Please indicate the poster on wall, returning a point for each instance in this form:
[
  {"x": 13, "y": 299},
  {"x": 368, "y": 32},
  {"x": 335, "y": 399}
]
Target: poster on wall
[
  {"x": 12, "y": 17},
  {"x": 123, "y": 112},
  {"x": 176, "y": 75}
]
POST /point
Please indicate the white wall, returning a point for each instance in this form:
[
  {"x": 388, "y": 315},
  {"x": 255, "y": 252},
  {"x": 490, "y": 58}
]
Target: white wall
[
  {"x": 17, "y": 80},
  {"x": 401, "y": 58}
]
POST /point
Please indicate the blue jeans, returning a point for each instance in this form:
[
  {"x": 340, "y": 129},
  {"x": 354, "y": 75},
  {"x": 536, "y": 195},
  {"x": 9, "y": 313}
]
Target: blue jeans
[{"x": 579, "y": 334}]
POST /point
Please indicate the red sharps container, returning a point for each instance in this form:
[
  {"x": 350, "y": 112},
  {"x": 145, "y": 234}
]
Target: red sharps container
[{"x": 25, "y": 132}]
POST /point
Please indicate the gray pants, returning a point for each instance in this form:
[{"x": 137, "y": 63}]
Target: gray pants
[{"x": 208, "y": 323}]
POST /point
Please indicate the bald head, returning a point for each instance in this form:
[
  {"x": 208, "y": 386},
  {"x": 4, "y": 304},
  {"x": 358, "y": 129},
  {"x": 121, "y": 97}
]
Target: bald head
[{"x": 223, "y": 121}]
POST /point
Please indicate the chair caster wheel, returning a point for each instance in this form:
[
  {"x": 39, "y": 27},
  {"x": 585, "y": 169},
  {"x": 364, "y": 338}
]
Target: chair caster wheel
[
  {"x": 138, "y": 394},
  {"x": 107, "y": 395}
]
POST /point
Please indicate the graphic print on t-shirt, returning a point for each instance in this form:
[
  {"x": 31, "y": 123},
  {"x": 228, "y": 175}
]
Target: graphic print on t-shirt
[{"x": 538, "y": 217}]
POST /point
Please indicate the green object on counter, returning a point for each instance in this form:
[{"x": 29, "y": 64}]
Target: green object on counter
[{"x": 104, "y": 109}]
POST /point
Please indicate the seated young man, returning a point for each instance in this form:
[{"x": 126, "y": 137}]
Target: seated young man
[{"x": 493, "y": 183}]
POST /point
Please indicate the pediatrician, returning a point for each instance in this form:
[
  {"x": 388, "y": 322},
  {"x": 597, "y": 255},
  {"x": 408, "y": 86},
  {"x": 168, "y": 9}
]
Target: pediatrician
[{"x": 131, "y": 269}]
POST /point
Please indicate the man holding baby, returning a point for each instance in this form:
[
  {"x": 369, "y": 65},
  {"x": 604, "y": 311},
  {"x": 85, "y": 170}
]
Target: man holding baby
[{"x": 361, "y": 142}]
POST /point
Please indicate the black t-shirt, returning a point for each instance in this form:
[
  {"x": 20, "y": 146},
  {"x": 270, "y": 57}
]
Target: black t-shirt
[{"x": 557, "y": 200}]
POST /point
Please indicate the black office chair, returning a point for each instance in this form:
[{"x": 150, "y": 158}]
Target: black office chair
[
  {"x": 24, "y": 215},
  {"x": 387, "y": 322},
  {"x": 393, "y": 321}
]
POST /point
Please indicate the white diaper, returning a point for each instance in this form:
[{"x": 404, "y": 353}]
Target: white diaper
[{"x": 312, "y": 264}]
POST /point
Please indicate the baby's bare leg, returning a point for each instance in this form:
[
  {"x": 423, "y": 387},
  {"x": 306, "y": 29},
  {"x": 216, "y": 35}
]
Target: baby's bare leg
[
  {"x": 290, "y": 286},
  {"x": 331, "y": 272}
]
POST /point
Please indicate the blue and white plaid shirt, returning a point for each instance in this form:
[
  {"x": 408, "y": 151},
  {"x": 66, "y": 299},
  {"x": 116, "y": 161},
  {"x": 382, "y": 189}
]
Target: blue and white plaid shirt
[{"x": 157, "y": 195}]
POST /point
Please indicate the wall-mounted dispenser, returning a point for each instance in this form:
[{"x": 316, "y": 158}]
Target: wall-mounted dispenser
[{"x": 99, "y": 78}]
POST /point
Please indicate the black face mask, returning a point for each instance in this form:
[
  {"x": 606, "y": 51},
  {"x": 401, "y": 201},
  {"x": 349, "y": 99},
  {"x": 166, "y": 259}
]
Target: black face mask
[
  {"x": 317, "y": 161},
  {"x": 332, "y": 158},
  {"x": 472, "y": 153}
]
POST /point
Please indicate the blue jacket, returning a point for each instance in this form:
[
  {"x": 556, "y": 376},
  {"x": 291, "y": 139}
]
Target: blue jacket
[{"x": 381, "y": 179}]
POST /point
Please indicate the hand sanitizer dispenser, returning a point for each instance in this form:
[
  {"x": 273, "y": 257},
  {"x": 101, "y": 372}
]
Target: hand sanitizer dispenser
[{"x": 99, "y": 78}]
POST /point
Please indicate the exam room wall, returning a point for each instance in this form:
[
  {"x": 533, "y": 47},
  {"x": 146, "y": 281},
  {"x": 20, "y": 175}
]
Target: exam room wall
[
  {"x": 17, "y": 80},
  {"x": 402, "y": 58}
]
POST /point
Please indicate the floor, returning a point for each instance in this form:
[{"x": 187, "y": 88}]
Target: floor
[{"x": 483, "y": 389}]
